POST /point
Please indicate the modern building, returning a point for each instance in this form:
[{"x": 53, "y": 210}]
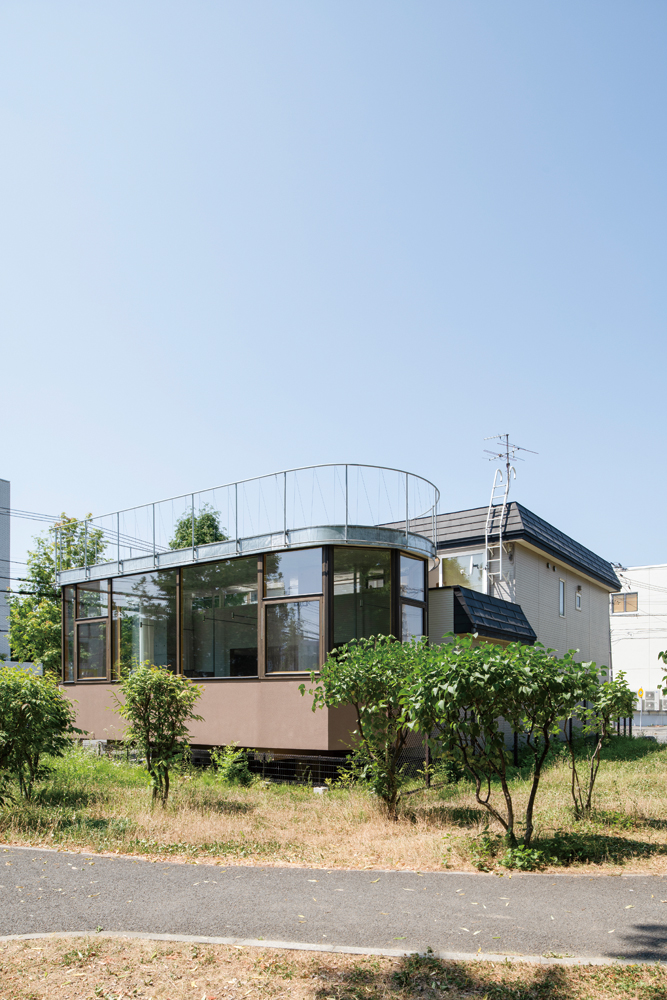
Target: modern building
[
  {"x": 638, "y": 620},
  {"x": 248, "y": 587}
]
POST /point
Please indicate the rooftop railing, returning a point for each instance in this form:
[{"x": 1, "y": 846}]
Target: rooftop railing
[{"x": 264, "y": 512}]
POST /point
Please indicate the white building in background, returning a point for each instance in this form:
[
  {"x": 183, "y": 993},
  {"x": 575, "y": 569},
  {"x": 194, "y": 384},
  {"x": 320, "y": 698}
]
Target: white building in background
[
  {"x": 5, "y": 567},
  {"x": 638, "y": 619}
]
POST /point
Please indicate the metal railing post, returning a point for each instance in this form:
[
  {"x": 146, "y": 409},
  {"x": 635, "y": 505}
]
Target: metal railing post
[
  {"x": 347, "y": 507},
  {"x": 236, "y": 516},
  {"x": 407, "y": 522},
  {"x": 192, "y": 501},
  {"x": 85, "y": 547},
  {"x": 285, "y": 508},
  {"x": 118, "y": 538},
  {"x": 154, "y": 536}
]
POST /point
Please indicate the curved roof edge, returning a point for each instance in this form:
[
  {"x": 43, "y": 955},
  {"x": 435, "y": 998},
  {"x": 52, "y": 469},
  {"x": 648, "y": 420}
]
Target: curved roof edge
[{"x": 337, "y": 534}]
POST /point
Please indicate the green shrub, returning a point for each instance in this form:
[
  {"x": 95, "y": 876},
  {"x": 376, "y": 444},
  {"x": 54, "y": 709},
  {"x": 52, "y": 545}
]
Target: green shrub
[
  {"x": 36, "y": 720},
  {"x": 158, "y": 705},
  {"x": 485, "y": 849},
  {"x": 524, "y": 859},
  {"x": 231, "y": 764}
]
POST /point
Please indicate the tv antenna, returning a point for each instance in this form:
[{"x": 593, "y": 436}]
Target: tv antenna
[{"x": 493, "y": 531}]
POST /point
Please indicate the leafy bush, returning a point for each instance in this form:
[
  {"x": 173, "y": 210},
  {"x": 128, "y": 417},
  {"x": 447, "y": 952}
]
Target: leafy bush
[
  {"x": 158, "y": 705},
  {"x": 485, "y": 849},
  {"x": 370, "y": 674},
  {"x": 232, "y": 764},
  {"x": 36, "y": 720},
  {"x": 459, "y": 692},
  {"x": 525, "y": 859}
]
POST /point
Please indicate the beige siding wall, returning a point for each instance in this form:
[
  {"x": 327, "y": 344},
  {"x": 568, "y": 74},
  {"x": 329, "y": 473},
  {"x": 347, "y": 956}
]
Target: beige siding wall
[
  {"x": 537, "y": 592},
  {"x": 268, "y": 715},
  {"x": 440, "y": 614}
]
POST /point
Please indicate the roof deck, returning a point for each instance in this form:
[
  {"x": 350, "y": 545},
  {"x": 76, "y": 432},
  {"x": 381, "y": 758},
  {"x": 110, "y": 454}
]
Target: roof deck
[{"x": 322, "y": 504}]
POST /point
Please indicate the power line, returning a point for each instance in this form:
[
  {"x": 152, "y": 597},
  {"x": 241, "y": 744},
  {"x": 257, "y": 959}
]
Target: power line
[{"x": 28, "y": 514}]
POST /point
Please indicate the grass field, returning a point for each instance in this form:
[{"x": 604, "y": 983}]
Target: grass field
[
  {"x": 99, "y": 804},
  {"x": 111, "y": 969}
]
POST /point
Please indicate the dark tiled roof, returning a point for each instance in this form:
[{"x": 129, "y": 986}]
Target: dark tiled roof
[
  {"x": 466, "y": 528},
  {"x": 490, "y": 617}
]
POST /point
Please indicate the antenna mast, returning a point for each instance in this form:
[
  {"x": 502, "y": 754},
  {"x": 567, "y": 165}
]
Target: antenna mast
[{"x": 493, "y": 532}]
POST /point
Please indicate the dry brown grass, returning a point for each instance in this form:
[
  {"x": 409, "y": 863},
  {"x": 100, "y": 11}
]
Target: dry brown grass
[
  {"x": 96, "y": 805},
  {"x": 111, "y": 969}
]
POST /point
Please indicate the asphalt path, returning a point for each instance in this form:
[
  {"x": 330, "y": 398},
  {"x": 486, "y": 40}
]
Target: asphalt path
[{"x": 563, "y": 916}]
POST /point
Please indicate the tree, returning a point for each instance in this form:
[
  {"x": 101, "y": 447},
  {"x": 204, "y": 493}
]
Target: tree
[
  {"x": 206, "y": 529},
  {"x": 36, "y": 720},
  {"x": 611, "y": 701},
  {"x": 465, "y": 689},
  {"x": 35, "y": 632},
  {"x": 35, "y": 617},
  {"x": 158, "y": 705},
  {"x": 369, "y": 674}
]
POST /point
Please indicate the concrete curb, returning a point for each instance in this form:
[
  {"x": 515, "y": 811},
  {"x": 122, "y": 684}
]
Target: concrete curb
[{"x": 336, "y": 949}]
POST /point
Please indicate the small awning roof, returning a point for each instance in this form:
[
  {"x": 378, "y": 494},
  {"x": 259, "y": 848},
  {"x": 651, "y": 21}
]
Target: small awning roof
[{"x": 490, "y": 617}]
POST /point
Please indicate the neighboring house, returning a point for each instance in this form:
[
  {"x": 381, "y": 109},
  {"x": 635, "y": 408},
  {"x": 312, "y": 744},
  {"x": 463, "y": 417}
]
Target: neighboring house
[
  {"x": 5, "y": 567},
  {"x": 638, "y": 619},
  {"x": 300, "y": 563},
  {"x": 547, "y": 587}
]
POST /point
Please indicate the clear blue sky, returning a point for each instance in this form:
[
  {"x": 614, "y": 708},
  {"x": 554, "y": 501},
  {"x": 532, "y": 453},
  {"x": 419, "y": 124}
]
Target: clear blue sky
[{"x": 237, "y": 237}]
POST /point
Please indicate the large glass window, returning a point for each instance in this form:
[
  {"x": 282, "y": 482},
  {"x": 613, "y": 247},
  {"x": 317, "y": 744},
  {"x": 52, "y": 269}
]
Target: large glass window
[
  {"x": 412, "y": 622},
  {"x": 69, "y": 606},
  {"x": 464, "y": 570},
  {"x": 412, "y": 578},
  {"x": 292, "y": 574},
  {"x": 92, "y": 650},
  {"x": 220, "y": 619},
  {"x": 292, "y": 636},
  {"x": 361, "y": 593},
  {"x": 144, "y": 619},
  {"x": 93, "y": 599}
]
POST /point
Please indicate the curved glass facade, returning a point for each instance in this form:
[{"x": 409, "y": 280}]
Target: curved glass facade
[{"x": 258, "y": 616}]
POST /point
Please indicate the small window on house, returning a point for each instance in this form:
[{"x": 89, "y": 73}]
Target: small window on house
[
  {"x": 561, "y": 598},
  {"x": 621, "y": 603},
  {"x": 577, "y": 600}
]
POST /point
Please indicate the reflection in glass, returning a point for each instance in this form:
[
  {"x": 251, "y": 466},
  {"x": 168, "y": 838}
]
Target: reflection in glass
[
  {"x": 144, "y": 619},
  {"x": 293, "y": 636},
  {"x": 292, "y": 574},
  {"x": 93, "y": 599},
  {"x": 464, "y": 570},
  {"x": 220, "y": 619},
  {"x": 412, "y": 578},
  {"x": 412, "y": 622},
  {"x": 69, "y": 597},
  {"x": 362, "y": 593},
  {"x": 92, "y": 650}
]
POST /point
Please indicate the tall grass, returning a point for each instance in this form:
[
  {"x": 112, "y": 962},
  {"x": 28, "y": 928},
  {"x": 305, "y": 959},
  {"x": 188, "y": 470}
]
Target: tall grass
[{"x": 100, "y": 804}]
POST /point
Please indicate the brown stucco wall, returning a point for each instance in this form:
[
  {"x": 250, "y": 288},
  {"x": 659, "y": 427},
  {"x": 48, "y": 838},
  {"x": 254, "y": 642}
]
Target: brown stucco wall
[{"x": 267, "y": 714}]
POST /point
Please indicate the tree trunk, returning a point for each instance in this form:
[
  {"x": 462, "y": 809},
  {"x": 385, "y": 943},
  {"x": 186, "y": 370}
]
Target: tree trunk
[{"x": 533, "y": 791}]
